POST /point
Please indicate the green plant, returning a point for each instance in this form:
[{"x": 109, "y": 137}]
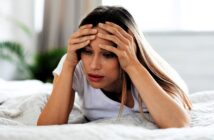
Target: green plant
[
  {"x": 45, "y": 63},
  {"x": 42, "y": 67},
  {"x": 9, "y": 49},
  {"x": 13, "y": 52}
]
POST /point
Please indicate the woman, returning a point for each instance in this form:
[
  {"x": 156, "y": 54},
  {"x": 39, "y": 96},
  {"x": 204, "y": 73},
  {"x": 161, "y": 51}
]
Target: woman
[{"x": 112, "y": 68}]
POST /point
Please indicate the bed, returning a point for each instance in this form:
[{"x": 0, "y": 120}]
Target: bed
[{"x": 22, "y": 101}]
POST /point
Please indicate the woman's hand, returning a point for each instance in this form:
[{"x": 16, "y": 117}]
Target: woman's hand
[
  {"x": 78, "y": 40},
  {"x": 126, "y": 47}
]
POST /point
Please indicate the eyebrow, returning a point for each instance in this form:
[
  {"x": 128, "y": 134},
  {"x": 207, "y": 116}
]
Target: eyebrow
[{"x": 103, "y": 50}]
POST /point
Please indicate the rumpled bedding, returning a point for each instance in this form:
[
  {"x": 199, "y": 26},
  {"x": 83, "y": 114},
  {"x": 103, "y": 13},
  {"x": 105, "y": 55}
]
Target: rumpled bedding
[{"x": 21, "y": 103}]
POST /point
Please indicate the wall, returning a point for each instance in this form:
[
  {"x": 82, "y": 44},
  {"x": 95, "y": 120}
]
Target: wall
[{"x": 191, "y": 54}]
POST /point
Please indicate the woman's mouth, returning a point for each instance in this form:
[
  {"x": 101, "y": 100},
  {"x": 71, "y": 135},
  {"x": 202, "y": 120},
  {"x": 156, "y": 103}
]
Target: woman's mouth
[{"x": 95, "y": 78}]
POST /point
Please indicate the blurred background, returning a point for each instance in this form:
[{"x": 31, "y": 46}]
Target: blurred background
[{"x": 34, "y": 33}]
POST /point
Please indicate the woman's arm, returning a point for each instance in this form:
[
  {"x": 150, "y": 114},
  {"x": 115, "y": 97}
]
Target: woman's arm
[
  {"x": 163, "y": 108},
  {"x": 61, "y": 101},
  {"x": 62, "y": 97}
]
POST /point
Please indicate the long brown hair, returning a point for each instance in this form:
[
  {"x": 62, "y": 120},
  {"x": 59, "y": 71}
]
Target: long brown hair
[{"x": 159, "y": 69}]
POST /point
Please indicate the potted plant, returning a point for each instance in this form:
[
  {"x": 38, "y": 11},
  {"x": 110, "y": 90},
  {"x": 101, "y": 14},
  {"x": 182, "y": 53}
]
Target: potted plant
[{"x": 41, "y": 68}]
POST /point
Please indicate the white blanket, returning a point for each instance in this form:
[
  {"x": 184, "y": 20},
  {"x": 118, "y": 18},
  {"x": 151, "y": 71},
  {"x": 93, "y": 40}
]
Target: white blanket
[{"x": 19, "y": 113}]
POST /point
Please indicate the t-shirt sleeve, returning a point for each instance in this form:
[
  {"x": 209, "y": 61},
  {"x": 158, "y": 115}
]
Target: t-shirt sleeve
[
  {"x": 77, "y": 77},
  {"x": 58, "y": 69},
  {"x": 78, "y": 80}
]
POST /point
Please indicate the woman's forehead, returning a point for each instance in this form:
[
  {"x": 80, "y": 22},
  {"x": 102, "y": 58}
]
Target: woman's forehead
[{"x": 100, "y": 40}]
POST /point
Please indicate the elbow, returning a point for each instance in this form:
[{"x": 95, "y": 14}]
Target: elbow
[
  {"x": 184, "y": 123},
  {"x": 177, "y": 123},
  {"x": 42, "y": 121},
  {"x": 39, "y": 122},
  {"x": 181, "y": 124},
  {"x": 45, "y": 121}
]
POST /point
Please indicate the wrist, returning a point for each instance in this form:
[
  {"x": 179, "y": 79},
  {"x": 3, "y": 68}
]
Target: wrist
[
  {"x": 68, "y": 66},
  {"x": 70, "y": 62},
  {"x": 133, "y": 67}
]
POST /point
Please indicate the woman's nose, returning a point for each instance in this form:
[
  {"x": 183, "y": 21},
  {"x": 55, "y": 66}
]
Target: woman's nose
[{"x": 95, "y": 63}]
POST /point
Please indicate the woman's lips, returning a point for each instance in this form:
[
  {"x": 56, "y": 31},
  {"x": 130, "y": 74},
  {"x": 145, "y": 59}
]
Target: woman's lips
[{"x": 95, "y": 78}]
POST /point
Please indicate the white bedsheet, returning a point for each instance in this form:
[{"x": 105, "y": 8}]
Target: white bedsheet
[{"x": 22, "y": 101}]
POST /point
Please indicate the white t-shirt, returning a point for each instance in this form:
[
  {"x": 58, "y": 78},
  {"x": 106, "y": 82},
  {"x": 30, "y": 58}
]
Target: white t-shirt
[{"x": 94, "y": 103}]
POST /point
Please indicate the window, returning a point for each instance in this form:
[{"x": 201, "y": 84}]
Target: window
[
  {"x": 170, "y": 15},
  {"x": 38, "y": 17}
]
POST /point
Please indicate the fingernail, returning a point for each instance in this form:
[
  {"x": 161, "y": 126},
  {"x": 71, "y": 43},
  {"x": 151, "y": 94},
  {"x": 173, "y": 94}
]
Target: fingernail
[
  {"x": 99, "y": 34},
  {"x": 100, "y": 24}
]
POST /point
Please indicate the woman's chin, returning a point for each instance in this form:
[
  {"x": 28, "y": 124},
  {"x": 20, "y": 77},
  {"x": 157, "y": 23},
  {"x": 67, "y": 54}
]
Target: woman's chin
[{"x": 96, "y": 85}]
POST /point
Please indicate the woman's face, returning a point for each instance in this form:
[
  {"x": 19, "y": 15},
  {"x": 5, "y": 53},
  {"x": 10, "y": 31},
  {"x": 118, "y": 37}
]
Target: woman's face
[{"x": 100, "y": 66}]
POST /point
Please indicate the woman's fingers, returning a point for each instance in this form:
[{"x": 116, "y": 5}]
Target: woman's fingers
[
  {"x": 122, "y": 31},
  {"x": 78, "y": 46},
  {"x": 109, "y": 48},
  {"x": 82, "y": 39},
  {"x": 111, "y": 38},
  {"x": 114, "y": 30},
  {"x": 84, "y": 32},
  {"x": 82, "y": 45},
  {"x": 86, "y": 26},
  {"x": 78, "y": 40},
  {"x": 121, "y": 54}
]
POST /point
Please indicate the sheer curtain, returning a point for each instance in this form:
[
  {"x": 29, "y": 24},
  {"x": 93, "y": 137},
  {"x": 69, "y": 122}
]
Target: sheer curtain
[{"x": 61, "y": 18}]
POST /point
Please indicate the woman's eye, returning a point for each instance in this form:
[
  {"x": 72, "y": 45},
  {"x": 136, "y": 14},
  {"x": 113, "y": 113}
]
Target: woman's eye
[
  {"x": 109, "y": 55},
  {"x": 87, "y": 52}
]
